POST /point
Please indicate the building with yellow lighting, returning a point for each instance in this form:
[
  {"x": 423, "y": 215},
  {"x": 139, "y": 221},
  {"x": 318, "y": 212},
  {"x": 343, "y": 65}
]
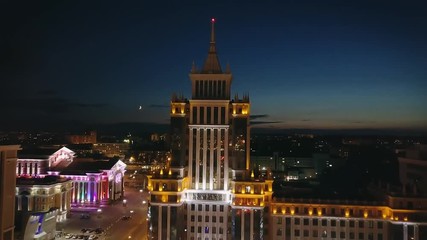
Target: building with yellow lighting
[
  {"x": 195, "y": 197},
  {"x": 208, "y": 191}
]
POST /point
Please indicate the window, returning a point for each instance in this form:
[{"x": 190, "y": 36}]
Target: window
[
  {"x": 333, "y": 223},
  {"x": 199, "y": 208},
  {"x": 351, "y": 235},
  {"x": 380, "y": 236},
  {"x": 192, "y": 229},
  {"x": 221, "y": 219},
  {"x": 306, "y": 222},
  {"x": 221, "y": 208},
  {"x": 279, "y": 232},
  {"x": 199, "y": 218},
  {"x": 213, "y": 229},
  {"x": 213, "y": 218},
  {"x": 279, "y": 220},
  {"x": 324, "y": 222},
  {"x": 206, "y": 229},
  {"x": 315, "y": 234},
  {"x": 199, "y": 229},
  {"x": 207, "y": 208},
  {"x": 297, "y": 233},
  {"x": 380, "y": 225},
  {"x": 192, "y": 218},
  {"x": 315, "y": 222},
  {"x": 342, "y": 234},
  {"x": 361, "y": 236},
  {"x": 361, "y": 224},
  {"x": 342, "y": 223},
  {"x": 351, "y": 223},
  {"x": 306, "y": 233},
  {"x": 296, "y": 221},
  {"x": 333, "y": 234},
  {"x": 206, "y": 218}
]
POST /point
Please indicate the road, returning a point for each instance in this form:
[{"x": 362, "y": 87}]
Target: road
[{"x": 109, "y": 218}]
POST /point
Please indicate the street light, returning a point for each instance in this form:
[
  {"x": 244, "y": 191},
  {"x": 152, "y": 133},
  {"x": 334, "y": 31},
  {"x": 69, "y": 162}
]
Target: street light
[{"x": 124, "y": 202}]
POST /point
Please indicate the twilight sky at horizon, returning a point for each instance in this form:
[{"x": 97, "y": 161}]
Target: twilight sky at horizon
[{"x": 305, "y": 64}]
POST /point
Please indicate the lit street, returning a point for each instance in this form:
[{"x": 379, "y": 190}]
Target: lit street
[{"x": 121, "y": 220}]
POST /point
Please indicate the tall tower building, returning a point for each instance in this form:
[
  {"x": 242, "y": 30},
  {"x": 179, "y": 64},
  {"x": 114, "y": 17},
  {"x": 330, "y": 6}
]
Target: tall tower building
[
  {"x": 8, "y": 159},
  {"x": 193, "y": 197}
]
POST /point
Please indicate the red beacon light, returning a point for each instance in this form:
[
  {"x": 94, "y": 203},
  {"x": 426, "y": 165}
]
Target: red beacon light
[{"x": 213, "y": 20}]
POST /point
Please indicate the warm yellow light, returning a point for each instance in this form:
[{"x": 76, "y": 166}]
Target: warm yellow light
[
  {"x": 319, "y": 212},
  {"x": 182, "y": 110},
  {"x": 274, "y": 211},
  {"x": 384, "y": 216},
  {"x": 164, "y": 198},
  {"x": 292, "y": 211},
  {"x": 234, "y": 111},
  {"x": 310, "y": 212},
  {"x": 161, "y": 171},
  {"x": 396, "y": 218},
  {"x": 405, "y": 219},
  {"x": 170, "y": 172},
  {"x": 173, "y": 110},
  {"x": 252, "y": 174},
  {"x": 365, "y": 214},
  {"x": 283, "y": 210}
]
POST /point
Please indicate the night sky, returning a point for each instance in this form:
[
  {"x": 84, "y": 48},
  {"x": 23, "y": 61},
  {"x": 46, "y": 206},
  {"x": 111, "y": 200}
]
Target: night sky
[{"x": 305, "y": 64}]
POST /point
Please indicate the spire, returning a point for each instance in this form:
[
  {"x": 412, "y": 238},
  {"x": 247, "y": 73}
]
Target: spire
[
  {"x": 212, "y": 63},
  {"x": 193, "y": 68}
]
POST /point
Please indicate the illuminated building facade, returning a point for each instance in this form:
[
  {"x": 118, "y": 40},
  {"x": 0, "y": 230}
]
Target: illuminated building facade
[
  {"x": 93, "y": 182},
  {"x": 210, "y": 156},
  {"x": 344, "y": 219},
  {"x": 208, "y": 191},
  {"x": 8, "y": 159},
  {"x": 40, "y": 203}
]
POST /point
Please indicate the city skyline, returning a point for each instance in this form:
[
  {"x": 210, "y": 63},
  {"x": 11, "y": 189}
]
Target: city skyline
[{"x": 309, "y": 65}]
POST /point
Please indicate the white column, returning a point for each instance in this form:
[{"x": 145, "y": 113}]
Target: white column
[
  {"x": 416, "y": 232},
  {"x": 197, "y": 158},
  {"x": 23, "y": 167},
  {"x": 159, "y": 224},
  {"x": 226, "y": 160},
  {"x": 211, "y": 160},
  {"x": 405, "y": 232},
  {"x": 168, "y": 223},
  {"x": 252, "y": 225},
  {"x": 190, "y": 160},
  {"x": 218, "y": 160},
  {"x": 205, "y": 146}
]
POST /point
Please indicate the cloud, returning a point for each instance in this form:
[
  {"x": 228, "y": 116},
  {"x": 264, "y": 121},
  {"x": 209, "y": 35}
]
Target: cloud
[
  {"x": 253, "y": 117},
  {"x": 306, "y": 120},
  {"x": 158, "y": 106},
  {"x": 264, "y": 122}
]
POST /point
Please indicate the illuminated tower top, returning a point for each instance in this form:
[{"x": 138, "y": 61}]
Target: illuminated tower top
[{"x": 212, "y": 62}]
